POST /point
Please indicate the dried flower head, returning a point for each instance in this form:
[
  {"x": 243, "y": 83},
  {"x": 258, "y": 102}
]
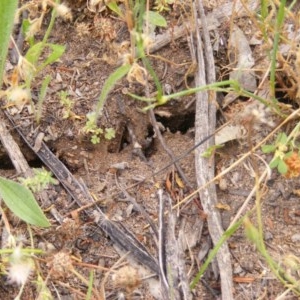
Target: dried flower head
[
  {"x": 293, "y": 164},
  {"x": 95, "y": 5},
  {"x": 20, "y": 267},
  {"x": 64, "y": 12},
  {"x": 61, "y": 265},
  {"x": 26, "y": 69},
  {"x": 18, "y": 95},
  {"x": 82, "y": 29},
  {"x": 257, "y": 114},
  {"x": 137, "y": 73},
  {"x": 126, "y": 278},
  {"x": 104, "y": 28},
  {"x": 34, "y": 27}
]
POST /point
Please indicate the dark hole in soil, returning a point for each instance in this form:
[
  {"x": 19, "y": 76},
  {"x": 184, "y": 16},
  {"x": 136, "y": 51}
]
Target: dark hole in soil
[
  {"x": 125, "y": 140},
  {"x": 6, "y": 164},
  {"x": 176, "y": 123},
  {"x": 70, "y": 167},
  {"x": 36, "y": 163},
  {"x": 283, "y": 98},
  {"x": 147, "y": 144},
  {"x": 149, "y": 148}
]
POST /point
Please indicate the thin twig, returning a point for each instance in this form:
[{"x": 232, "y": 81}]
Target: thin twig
[
  {"x": 205, "y": 122},
  {"x": 161, "y": 245},
  {"x": 174, "y": 281}
]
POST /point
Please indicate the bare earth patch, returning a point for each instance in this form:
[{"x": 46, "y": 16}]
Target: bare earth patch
[{"x": 124, "y": 174}]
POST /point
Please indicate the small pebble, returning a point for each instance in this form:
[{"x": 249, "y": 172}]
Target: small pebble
[
  {"x": 268, "y": 236},
  {"x": 120, "y": 166},
  {"x": 237, "y": 270},
  {"x": 235, "y": 177},
  {"x": 223, "y": 184},
  {"x": 295, "y": 237}
]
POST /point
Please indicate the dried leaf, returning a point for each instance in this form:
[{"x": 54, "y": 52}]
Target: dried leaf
[
  {"x": 229, "y": 133},
  {"x": 240, "y": 54},
  {"x": 222, "y": 206},
  {"x": 179, "y": 181}
]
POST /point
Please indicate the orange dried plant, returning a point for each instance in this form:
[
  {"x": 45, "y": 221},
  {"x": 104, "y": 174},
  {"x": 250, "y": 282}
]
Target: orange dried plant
[{"x": 293, "y": 164}]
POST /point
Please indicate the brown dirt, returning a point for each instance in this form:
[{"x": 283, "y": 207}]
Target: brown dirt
[{"x": 82, "y": 73}]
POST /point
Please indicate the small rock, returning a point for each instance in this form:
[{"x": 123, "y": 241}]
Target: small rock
[
  {"x": 129, "y": 210},
  {"x": 235, "y": 178},
  {"x": 120, "y": 166},
  {"x": 237, "y": 270},
  {"x": 268, "y": 236},
  {"x": 247, "y": 266},
  {"x": 223, "y": 184},
  {"x": 295, "y": 237}
]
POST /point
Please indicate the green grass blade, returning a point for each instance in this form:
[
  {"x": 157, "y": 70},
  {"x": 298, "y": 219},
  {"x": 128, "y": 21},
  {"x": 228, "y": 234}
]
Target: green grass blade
[
  {"x": 279, "y": 23},
  {"x": 90, "y": 286},
  {"x": 7, "y": 14},
  {"x": 264, "y": 9},
  {"x": 108, "y": 86},
  {"x": 42, "y": 96},
  {"x": 226, "y": 235}
]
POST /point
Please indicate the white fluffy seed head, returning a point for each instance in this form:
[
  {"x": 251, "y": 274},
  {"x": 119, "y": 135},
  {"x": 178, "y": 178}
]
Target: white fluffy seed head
[
  {"x": 20, "y": 267},
  {"x": 64, "y": 11}
]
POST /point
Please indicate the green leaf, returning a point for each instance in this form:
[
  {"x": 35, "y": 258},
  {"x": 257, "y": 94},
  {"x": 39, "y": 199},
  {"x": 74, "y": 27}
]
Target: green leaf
[
  {"x": 7, "y": 14},
  {"x": 211, "y": 150},
  {"x": 281, "y": 138},
  {"x": 44, "y": 87},
  {"x": 282, "y": 167},
  {"x": 289, "y": 154},
  {"x": 22, "y": 203},
  {"x": 25, "y": 27},
  {"x": 110, "y": 133},
  {"x": 112, "y": 5},
  {"x": 34, "y": 52},
  {"x": 155, "y": 18},
  {"x": 57, "y": 52},
  {"x": 274, "y": 163},
  {"x": 108, "y": 86},
  {"x": 268, "y": 148},
  {"x": 95, "y": 139}
]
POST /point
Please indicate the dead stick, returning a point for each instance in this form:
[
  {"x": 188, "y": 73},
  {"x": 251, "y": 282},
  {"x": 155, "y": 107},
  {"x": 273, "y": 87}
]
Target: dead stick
[
  {"x": 13, "y": 151},
  {"x": 214, "y": 19},
  {"x": 205, "y": 122}
]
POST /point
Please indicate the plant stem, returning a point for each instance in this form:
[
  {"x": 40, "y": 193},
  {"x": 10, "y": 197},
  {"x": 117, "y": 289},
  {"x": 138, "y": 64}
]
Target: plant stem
[{"x": 279, "y": 23}]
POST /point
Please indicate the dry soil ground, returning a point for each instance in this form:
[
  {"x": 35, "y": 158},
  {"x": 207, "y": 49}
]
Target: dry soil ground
[{"x": 92, "y": 41}]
